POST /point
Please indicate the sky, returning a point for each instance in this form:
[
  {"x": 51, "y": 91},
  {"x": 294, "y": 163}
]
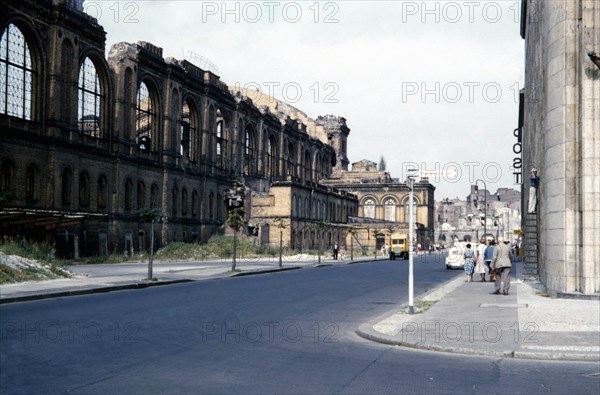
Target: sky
[{"x": 430, "y": 85}]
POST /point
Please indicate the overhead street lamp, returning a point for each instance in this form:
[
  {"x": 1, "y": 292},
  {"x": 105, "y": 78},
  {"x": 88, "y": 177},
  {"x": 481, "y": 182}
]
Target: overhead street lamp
[
  {"x": 484, "y": 205},
  {"x": 410, "y": 181}
]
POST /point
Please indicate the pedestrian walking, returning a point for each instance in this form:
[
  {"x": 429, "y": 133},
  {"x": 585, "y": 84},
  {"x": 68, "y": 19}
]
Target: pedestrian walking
[
  {"x": 342, "y": 252},
  {"x": 488, "y": 256},
  {"x": 480, "y": 266},
  {"x": 469, "y": 264},
  {"x": 335, "y": 251},
  {"x": 502, "y": 264}
]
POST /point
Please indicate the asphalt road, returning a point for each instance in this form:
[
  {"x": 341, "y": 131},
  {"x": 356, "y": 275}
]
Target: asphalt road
[{"x": 288, "y": 332}]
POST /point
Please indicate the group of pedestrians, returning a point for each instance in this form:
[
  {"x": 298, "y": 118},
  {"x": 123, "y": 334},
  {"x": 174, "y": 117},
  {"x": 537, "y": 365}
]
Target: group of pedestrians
[{"x": 493, "y": 259}]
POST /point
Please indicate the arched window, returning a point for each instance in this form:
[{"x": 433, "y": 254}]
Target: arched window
[
  {"x": 84, "y": 190},
  {"x": 174, "y": 201},
  {"x": 221, "y": 140},
  {"x": 294, "y": 205},
  {"x": 146, "y": 120},
  {"x": 306, "y": 212},
  {"x": 390, "y": 210},
  {"x": 7, "y": 181},
  {"x": 369, "y": 208},
  {"x": 154, "y": 198},
  {"x": 90, "y": 100},
  {"x": 249, "y": 149},
  {"x": 32, "y": 184},
  {"x": 101, "y": 193},
  {"x": 194, "y": 204},
  {"x": 220, "y": 206},
  {"x": 141, "y": 195},
  {"x": 291, "y": 160},
  {"x": 66, "y": 187},
  {"x": 407, "y": 209},
  {"x": 307, "y": 166},
  {"x": 16, "y": 74},
  {"x": 271, "y": 157},
  {"x": 211, "y": 206},
  {"x": 184, "y": 202},
  {"x": 128, "y": 194},
  {"x": 317, "y": 167},
  {"x": 189, "y": 131}
]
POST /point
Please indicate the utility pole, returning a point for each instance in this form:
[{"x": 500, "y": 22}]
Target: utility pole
[
  {"x": 410, "y": 181},
  {"x": 484, "y": 206},
  {"x": 151, "y": 215}
]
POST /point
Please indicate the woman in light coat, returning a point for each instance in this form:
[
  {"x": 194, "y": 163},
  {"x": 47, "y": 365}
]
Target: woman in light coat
[{"x": 480, "y": 266}]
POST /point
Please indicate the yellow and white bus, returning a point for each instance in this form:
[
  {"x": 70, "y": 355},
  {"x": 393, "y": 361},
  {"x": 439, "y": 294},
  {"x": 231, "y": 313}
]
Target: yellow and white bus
[{"x": 399, "y": 246}]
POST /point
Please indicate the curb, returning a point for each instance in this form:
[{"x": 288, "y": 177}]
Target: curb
[
  {"x": 90, "y": 291},
  {"x": 141, "y": 285},
  {"x": 366, "y": 331},
  {"x": 266, "y": 271}
]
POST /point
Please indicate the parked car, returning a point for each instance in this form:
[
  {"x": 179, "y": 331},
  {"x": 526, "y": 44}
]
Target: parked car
[{"x": 455, "y": 258}]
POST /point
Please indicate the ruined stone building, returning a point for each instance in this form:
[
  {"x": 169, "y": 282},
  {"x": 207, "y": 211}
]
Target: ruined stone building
[
  {"x": 383, "y": 204},
  {"x": 560, "y": 129},
  {"x": 481, "y": 212},
  {"x": 86, "y": 142}
]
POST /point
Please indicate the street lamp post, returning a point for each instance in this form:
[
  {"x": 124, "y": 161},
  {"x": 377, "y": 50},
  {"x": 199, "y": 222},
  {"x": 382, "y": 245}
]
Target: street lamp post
[
  {"x": 410, "y": 181},
  {"x": 484, "y": 206},
  {"x": 280, "y": 223}
]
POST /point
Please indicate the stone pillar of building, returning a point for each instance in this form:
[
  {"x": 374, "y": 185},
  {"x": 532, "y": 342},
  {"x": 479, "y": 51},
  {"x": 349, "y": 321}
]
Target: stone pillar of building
[{"x": 560, "y": 139}]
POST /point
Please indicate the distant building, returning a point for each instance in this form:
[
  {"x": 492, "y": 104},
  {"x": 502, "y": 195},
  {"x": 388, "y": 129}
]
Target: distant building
[
  {"x": 383, "y": 204},
  {"x": 471, "y": 218}
]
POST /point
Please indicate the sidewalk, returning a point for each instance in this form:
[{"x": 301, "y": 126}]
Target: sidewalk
[
  {"x": 468, "y": 318},
  {"x": 131, "y": 275}
]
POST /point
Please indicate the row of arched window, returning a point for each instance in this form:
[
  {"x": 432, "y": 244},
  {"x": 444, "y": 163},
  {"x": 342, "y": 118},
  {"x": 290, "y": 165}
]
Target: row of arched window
[
  {"x": 18, "y": 95},
  {"x": 389, "y": 208},
  {"x": 316, "y": 209},
  {"x": 92, "y": 194}
]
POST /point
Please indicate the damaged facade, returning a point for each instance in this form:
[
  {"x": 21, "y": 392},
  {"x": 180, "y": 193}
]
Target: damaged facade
[
  {"x": 86, "y": 142},
  {"x": 383, "y": 204}
]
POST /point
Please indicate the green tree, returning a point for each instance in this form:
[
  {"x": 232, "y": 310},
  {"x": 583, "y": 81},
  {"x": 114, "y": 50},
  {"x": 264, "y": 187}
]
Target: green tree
[
  {"x": 235, "y": 220},
  {"x": 321, "y": 226}
]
